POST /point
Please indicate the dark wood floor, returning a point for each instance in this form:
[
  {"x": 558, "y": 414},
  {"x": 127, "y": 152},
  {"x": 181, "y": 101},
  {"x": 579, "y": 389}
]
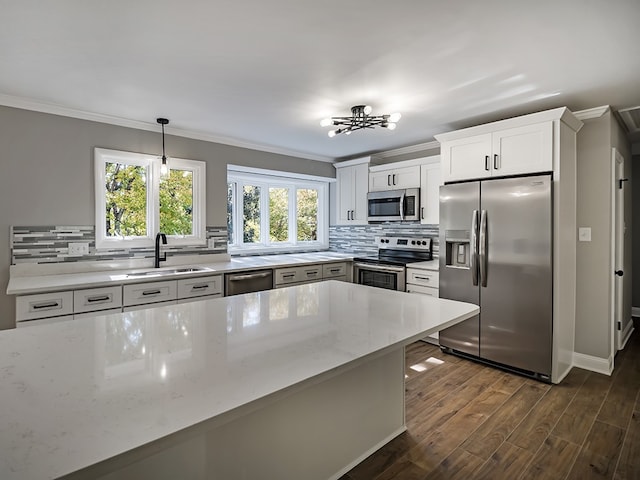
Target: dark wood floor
[{"x": 469, "y": 421}]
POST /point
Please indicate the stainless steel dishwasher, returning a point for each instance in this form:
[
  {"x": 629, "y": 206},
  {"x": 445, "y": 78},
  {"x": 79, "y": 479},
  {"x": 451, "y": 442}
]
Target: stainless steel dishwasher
[{"x": 246, "y": 282}]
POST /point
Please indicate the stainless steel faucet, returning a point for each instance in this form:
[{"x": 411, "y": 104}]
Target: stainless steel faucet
[{"x": 159, "y": 258}]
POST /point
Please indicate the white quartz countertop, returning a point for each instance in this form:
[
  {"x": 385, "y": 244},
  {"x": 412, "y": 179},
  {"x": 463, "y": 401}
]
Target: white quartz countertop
[
  {"x": 429, "y": 265},
  {"x": 27, "y": 284},
  {"x": 78, "y": 392}
]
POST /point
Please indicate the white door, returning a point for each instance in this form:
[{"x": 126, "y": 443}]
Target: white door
[
  {"x": 519, "y": 150},
  {"x": 466, "y": 158},
  {"x": 344, "y": 195},
  {"x": 360, "y": 189},
  {"x": 618, "y": 246}
]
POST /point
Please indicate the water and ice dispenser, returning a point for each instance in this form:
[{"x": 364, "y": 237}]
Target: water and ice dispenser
[{"x": 457, "y": 248}]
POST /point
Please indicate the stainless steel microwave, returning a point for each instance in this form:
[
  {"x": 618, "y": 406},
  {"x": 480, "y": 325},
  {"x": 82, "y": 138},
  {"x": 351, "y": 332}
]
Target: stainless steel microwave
[{"x": 394, "y": 205}]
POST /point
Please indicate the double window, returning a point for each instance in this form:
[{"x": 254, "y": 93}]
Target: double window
[
  {"x": 134, "y": 200},
  {"x": 266, "y": 212}
]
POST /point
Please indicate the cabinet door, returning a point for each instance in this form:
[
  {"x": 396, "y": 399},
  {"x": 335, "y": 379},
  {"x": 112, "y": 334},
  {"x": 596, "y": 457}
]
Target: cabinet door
[
  {"x": 360, "y": 190},
  {"x": 152, "y": 292},
  {"x": 406, "y": 177},
  {"x": 430, "y": 180},
  {"x": 41, "y": 305},
  {"x": 394, "y": 179},
  {"x": 527, "y": 149},
  {"x": 344, "y": 195},
  {"x": 199, "y": 286},
  {"x": 466, "y": 158}
]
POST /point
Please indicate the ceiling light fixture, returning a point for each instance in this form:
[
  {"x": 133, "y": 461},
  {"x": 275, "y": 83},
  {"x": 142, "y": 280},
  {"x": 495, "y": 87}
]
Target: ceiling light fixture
[
  {"x": 360, "y": 118},
  {"x": 164, "y": 168}
]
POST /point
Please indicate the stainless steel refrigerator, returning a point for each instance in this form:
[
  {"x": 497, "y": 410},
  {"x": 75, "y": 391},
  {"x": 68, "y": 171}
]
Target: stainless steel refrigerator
[{"x": 496, "y": 246}]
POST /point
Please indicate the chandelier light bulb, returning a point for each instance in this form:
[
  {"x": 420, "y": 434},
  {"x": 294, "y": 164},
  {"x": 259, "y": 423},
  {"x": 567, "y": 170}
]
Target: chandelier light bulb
[
  {"x": 391, "y": 126},
  {"x": 325, "y": 122},
  {"x": 394, "y": 117},
  {"x": 367, "y": 109},
  {"x": 348, "y": 132},
  {"x": 360, "y": 119},
  {"x": 332, "y": 133}
]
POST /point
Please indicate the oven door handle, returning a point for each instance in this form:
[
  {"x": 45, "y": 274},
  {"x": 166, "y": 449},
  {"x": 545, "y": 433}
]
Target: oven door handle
[{"x": 379, "y": 268}]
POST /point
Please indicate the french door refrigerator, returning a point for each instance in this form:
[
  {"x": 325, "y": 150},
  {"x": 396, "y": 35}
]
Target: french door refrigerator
[{"x": 496, "y": 245}]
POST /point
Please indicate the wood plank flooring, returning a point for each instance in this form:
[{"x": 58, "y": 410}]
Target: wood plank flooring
[{"x": 469, "y": 421}]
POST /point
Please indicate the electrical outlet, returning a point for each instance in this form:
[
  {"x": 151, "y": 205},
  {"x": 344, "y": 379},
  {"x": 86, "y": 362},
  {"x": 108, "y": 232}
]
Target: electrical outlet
[
  {"x": 211, "y": 243},
  {"x": 80, "y": 248}
]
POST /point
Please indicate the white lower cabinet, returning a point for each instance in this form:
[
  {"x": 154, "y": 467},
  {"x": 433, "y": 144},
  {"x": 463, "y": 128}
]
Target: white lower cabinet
[
  {"x": 42, "y": 321},
  {"x": 424, "y": 282},
  {"x": 43, "y": 305},
  {"x": 199, "y": 286},
  {"x": 150, "y": 292},
  {"x": 144, "y": 306},
  {"x": 94, "y": 299},
  {"x": 85, "y": 315},
  {"x": 284, "y": 277}
]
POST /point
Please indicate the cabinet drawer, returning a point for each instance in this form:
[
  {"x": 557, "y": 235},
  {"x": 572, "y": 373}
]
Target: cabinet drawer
[
  {"x": 197, "y": 287},
  {"x": 425, "y": 278},
  {"x": 29, "y": 307},
  {"x": 93, "y": 299},
  {"x": 310, "y": 273},
  {"x": 85, "y": 315},
  {"x": 42, "y": 321},
  {"x": 152, "y": 292},
  {"x": 146, "y": 306},
  {"x": 285, "y": 276},
  {"x": 195, "y": 299},
  {"x": 430, "y": 291},
  {"x": 330, "y": 270}
]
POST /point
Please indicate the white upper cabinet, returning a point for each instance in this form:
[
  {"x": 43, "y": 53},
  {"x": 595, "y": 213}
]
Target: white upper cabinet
[
  {"x": 386, "y": 177},
  {"x": 430, "y": 181},
  {"x": 352, "y": 186},
  {"x": 515, "y": 146}
]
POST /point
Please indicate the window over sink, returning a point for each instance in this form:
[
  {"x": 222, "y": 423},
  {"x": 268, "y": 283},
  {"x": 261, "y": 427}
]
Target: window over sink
[
  {"x": 134, "y": 200},
  {"x": 267, "y": 211}
]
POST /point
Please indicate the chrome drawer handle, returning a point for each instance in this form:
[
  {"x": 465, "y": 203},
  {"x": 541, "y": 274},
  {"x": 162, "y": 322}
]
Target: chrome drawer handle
[
  {"x": 46, "y": 305},
  {"x": 422, "y": 278},
  {"x": 102, "y": 298},
  {"x": 200, "y": 287},
  {"x": 151, "y": 292}
]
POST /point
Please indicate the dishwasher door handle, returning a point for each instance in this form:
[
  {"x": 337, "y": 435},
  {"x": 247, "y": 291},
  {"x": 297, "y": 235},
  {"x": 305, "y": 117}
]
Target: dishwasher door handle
[{"x": 250, "y": 276}]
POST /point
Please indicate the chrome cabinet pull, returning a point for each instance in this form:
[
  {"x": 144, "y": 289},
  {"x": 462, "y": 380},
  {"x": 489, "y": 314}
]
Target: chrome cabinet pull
[
  {"x": 45, "y": 305},
  {"x": 394, "y": 178},
  {"x": 151, "y": 292},
  {"x": 388, "y": 180},
  {"x": 102, "y": 298},
  {"x": 486, "y": 163},
  {"x": 495, "y": 161}
]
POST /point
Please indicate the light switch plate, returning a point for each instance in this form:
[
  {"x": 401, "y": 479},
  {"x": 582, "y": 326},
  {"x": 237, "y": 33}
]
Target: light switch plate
[
  {"x": 78, "y": 248},
  {"x": 584, "y": 234}
]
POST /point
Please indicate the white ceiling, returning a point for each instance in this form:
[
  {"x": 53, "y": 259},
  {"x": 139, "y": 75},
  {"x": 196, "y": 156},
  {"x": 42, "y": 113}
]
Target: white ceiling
[{"x": 265, "y": 72}]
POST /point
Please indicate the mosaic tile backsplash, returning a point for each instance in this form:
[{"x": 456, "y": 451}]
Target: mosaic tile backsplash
[
  {"x": 50, "y": 244},
  {"x": 359, "y": 239}
]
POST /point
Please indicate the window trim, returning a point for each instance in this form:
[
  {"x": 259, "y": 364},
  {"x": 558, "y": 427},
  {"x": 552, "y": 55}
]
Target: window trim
[
  {"x": 267, "y": 181},
  {"x": 152, "y": 165}
]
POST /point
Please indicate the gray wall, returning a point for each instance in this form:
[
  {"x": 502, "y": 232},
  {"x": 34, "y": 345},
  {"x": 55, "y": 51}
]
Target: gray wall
[
  {"x": 46, "y": 175},
  {"x": 594, "y": 269}
]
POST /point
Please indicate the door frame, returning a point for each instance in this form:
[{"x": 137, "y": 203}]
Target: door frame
[{"x": 617, "y": 249}]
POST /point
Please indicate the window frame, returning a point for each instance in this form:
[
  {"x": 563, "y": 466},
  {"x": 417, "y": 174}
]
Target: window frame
[
  {"x": 152, "y": 165},
  {"x": 266, "y": 181}
]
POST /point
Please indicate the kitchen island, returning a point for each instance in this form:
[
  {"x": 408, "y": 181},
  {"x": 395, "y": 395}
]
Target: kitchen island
[{"x": 299, "y": 382}]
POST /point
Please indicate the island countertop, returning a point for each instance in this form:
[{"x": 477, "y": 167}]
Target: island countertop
[{"x": 79, "y": 392}]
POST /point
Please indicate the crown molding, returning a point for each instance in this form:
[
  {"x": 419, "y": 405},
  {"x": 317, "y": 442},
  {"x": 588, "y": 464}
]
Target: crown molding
[
  {"x": 590, "y": 113},
  {"x": 410, "y": 149},
  {"x": 54, "y": 109}
]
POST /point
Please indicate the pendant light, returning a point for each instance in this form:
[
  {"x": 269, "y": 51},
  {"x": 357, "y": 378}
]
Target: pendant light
[{"x": 164, "y": 168}]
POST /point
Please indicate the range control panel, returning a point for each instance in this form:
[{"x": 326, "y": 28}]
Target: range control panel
[{"x": 405, "y": 243}]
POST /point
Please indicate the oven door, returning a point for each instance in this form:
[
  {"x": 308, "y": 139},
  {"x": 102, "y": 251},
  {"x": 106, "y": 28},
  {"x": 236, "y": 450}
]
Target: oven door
[{"x": 383, "y": 276}]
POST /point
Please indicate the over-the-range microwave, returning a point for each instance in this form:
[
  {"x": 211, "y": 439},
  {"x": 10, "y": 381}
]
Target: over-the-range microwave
[{"x": 394, "y": 205}]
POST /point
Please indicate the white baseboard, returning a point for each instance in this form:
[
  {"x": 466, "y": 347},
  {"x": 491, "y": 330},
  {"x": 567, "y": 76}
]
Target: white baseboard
[
  {"x": 628, "y": 330},
  {"x": 635, "y": 311},
  {"x": 593, "y": 364}
]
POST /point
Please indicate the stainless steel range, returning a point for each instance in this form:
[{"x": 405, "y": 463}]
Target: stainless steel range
[{"x": 388, "y": 268}]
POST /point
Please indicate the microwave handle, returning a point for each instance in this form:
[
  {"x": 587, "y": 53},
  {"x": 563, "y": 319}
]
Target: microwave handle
[{"x": 402, "y": 206}]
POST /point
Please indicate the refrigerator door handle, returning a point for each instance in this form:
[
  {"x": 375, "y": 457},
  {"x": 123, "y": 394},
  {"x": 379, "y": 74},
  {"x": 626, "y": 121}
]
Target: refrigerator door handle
[
  {"x": 474, "y": 247},
  {"x": 483, "y": 248}
]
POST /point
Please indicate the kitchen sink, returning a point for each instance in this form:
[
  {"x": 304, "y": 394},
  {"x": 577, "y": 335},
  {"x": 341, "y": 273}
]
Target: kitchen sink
[{"x": 161, "y": 273}]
